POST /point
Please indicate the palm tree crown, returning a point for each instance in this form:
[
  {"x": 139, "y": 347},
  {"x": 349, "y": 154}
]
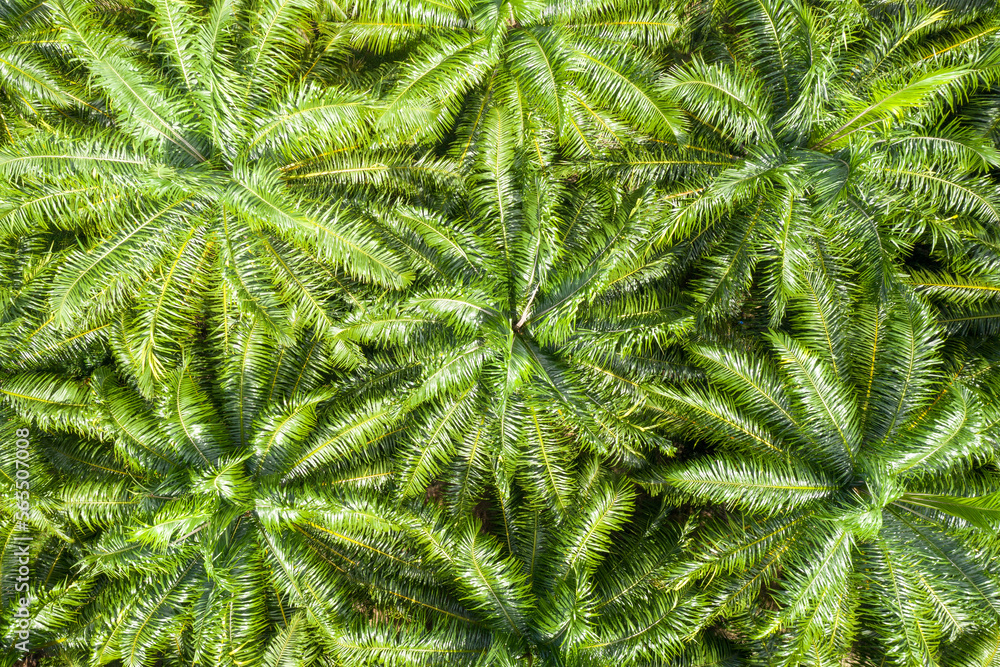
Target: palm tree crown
[
  {"x": 850, "y": 456},
  {"x": 804, "y": 141},
  {"x": 575, "y": 76},
  {"x": 541, "y": 315},
  {"x": 196, "y": 197}
]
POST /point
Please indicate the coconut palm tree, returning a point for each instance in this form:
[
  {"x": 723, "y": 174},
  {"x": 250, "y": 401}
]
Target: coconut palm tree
[{"x": 856, "y": 475}]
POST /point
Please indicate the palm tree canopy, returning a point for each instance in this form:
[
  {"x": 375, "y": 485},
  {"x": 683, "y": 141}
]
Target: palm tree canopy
[
  {"x": 541, "y": 317},
  {"x": 825, "y": 131},
  {"x": 199, "y": 193},
  {"x": 205, "y": 496},
  {"x": 576, "y": 77},
  {"x": 848, "y": 443},
  {"x": 545, "y": 333}
]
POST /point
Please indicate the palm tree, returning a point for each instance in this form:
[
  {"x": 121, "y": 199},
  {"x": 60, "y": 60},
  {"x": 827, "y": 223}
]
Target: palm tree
[
  {"x": 529, "y": 589},
  {"x": 195, "y": 202},
  {"x": 543, "y": 316},
  {"x": 576, "y": 77},
  {"x": 187, "y": 542},
  {"x": 400, "y": 333},
  {"x": 197, "y": 538},
  {"x": 857, "y": 480},
  {"x": 829, "y": 130},
  {"x": 35, "y": 89}
]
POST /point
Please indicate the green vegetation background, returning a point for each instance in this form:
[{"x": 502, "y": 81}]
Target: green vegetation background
[{"x": 564, "y": 333}]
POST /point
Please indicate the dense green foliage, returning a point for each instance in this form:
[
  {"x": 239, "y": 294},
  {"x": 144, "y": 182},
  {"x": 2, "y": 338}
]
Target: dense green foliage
[{"x": 537, "y": 333}]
